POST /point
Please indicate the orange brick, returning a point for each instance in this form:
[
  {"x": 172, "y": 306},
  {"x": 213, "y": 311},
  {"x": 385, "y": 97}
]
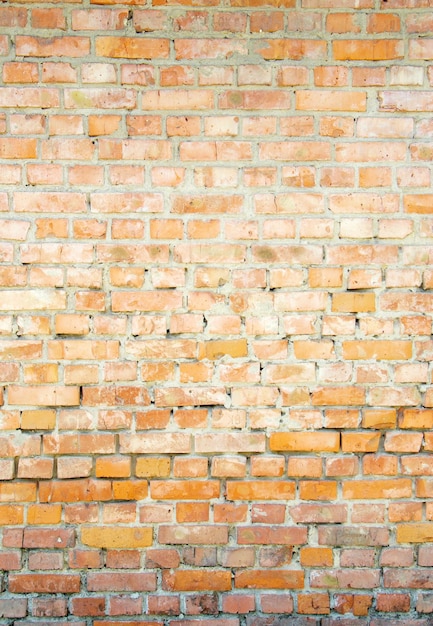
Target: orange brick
[
  {"x": 353, "y": 302},
  {"x": 360, "y": 442},
  {"x": 262, "y": 579},
  {"x": 379, "y": 465},
  {"x": 35, "y": 468},
  {"x": 44, "y": 395},
  {"x": 379, "y": 418},
  {"x": 197, "y": 580},
  {"x": 184, "y": 490},
  {"x": 304, "y": 467},
  {"x": 71, "y": 324},
  {"x": 416, "y": 418},
  {"x": 338, "y": 396},
  {"x": 260, "y": 490},
  {"x": 316, "y": 557},
  {"x": 314, "y": 604},
  {"x": 367, "y": 489},
  {"x": 20, "y": 492},
  {"x": 40, "y": 374},
  {"x": 11, "y": 514},
  {"x": 403, "y": 442},
  {"x": 414, "y": 533},
  {"x": 190, "y": 468},
  {"x": 367, "y": 50},
  {"x": 192, "y": 512},
  {"x": 295, "y": 49},
  {"x": 319, "y": 100},
  {"x": 317, "y": 490},
  {"x": 130, "y": 489},
  {"x": 84, "y": 490},
  {"x": 305, "y": 442},
  {"x": 113, "y": 467},
  {"x": 44, "y": 514}
]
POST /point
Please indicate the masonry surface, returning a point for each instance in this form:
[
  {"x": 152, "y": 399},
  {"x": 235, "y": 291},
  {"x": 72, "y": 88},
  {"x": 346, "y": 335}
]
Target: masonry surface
[{"x": 216, "y": 246}]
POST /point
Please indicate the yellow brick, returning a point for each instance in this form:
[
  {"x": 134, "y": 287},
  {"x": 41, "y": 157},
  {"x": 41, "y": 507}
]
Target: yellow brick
[
  {"x": 43, "y": 419},
  {"x": 415, "y": 533},
  {"x": 353, "y": 302},
  {"x": 306, "y": 441},
  {"x": 116, "y": 537},
  {"x": 217, "y": 349}
]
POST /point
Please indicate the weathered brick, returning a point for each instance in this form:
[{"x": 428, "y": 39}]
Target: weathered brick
[
  {"x": 119, "y": 581},
  {"x": 44, "y": 583},
  {"x": 353, "y": 536},
  {"x": 192, "y": 535},
  {"x": 44, "y": 395},
  {"x": 260, "y": 490},
  {"x": 406, "y": 578},
  {"x": 341, "y": 578},
  {"x": 184, "y": 490},
  {"x": 365, "y": 489},
  {"x": 214, "y": 320}
]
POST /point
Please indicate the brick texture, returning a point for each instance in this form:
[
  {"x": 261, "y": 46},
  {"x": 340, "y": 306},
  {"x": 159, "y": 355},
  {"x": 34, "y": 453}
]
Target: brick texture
[{"x": 216, "y": 248}]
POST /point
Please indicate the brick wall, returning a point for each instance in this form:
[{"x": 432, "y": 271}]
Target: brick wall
[{"x": 216, "y": 312}]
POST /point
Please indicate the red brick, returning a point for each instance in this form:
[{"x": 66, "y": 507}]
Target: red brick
[
  {"x": 13, "y": 16},
  {"x": 49, "y": 607},
  {"x": 307, "y": 100},
  {"x": 367, "y": 50},
  {"x": 99, "y": 19},
  {"x": 163, "y": 558},
  {"x": 238, "y": 603},
  {"x": 57, "y": 46},
  {"x": 121, "y": 581},
  {"x": 317, "y": 514},
  {"x": 272, "y": 535},
  {"x": 44, "y": 583},
  {"x": 88, "y": 606},
  {"x": 13, "y": 607},
  {"x": 254, "y": 100},
  {"x": 407, "y": 578},
  {"x": 91, "y": 559},
  {"x": 351, "y": 578}
]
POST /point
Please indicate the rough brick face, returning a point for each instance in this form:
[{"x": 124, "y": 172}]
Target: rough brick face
[{"x": 216, "y": 240}]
